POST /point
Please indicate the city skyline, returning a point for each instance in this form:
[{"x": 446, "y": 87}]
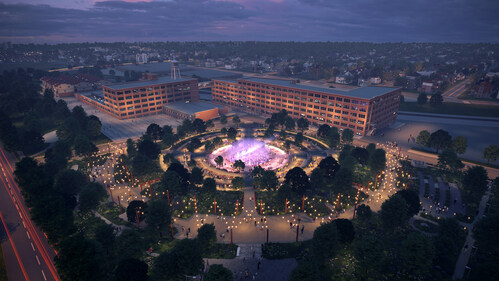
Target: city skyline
[{"x": 52, "y": 21}]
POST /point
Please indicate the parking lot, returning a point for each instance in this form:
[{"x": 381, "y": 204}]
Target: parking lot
[{"x": 117, "y": 129}]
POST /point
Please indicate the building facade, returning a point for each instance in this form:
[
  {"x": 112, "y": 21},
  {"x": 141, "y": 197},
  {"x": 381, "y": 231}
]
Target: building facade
[
  {"x": 142, "y": 98},
  {"x": 362, "y": 110}
]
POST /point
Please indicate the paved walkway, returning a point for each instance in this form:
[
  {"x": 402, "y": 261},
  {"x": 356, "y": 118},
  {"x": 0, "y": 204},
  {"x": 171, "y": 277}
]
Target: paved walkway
[
  {"x": 464, "y": 256},
  {"x": 250, "y": 256}
]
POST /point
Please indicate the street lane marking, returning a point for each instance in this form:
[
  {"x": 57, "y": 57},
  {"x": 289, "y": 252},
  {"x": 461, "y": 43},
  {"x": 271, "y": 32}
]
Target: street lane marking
[
  {"x": 32, "y": 246},
  {"x": 28, "y": 235},
  {"x": 37, "y": 260},
  {"x": 44, "y": 275}
]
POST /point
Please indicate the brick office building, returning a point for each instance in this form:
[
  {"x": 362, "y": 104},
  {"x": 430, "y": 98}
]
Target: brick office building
[
  {"x": 142, "y": 98},
  {"x": 362, "y": 110}
]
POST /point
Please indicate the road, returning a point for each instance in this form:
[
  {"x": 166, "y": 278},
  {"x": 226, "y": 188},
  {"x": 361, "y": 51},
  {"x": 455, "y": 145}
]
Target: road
[
  {"x": 455, "y": 91},
  {"x": 34, "y": 258}
]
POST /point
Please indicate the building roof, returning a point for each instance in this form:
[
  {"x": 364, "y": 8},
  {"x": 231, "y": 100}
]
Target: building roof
[
  {"x": 160, "y": 80},
  {"x": 363, "y": 92},
  {"x": 192, "y": 107},
  {"x": 211, "y": 73}
]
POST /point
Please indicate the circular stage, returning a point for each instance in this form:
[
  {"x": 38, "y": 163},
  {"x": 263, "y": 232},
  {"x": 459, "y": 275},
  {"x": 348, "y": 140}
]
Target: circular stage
[{"x": 252, "y": 152}]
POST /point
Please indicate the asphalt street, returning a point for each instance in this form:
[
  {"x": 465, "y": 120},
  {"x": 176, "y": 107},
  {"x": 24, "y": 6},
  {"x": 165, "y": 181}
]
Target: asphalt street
[{"x": 34, "y": 254}]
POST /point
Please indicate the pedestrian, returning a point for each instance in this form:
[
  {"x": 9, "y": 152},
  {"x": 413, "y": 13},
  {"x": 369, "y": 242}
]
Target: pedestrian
[
  {"x": 290, "y": 225},
  {"x": 255, "y": 223},
  {"x": 189, "y": 229},
  {"x": 187, "y": 234},
  {"x": 302, "y": 228},
  {"x": 258, "y": 265}
]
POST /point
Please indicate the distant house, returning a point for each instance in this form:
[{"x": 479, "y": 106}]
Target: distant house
[
  {"x": 66, "y": 85},
  {"x": 341, "y": 79},
  {"x": 427, "y": 88},
  {"x": 484, "y": 89},
  {"x": 375, "y": 80},
  {"x": 363, "y": 82}
]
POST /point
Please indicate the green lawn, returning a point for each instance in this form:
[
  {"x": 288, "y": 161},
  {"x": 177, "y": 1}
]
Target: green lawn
[
  {"x": 452, "y": 108},
  {"x": 3, "y": 269}
]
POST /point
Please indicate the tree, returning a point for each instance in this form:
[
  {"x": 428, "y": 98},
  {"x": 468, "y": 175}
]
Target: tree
[
  {"x": 131, "y": 270},
  {"x": 257, "y": 171},
  {"x": 329, "y": 166},
  {"x": 79, "y": 259},
  {"x": 131, "y": 149},
  {"x": 223, "y": 119},
  {"x": 148, "y": 147},
  {"x": 104, "y": 234},
  {"x": 449, "y": 158},
  {"x": 417, "y": 254},
  {"x": 236, "y": 120},
  {"x": 485, "y": 233},
  {"x": 422, "y": 98},
  {"x": 237, "y": 183},
  {"x": 231, "y": 133},
  {"x": 182, "y": 172},
  {"x": 199, "y": 125},
  {"x": 333, "y": 137},
  {"x": 207, "y": 237},
  {"x": 411, "y": 198},
  {"x": 345, "y": 230},
  {"x": 289, "y": 123},
  {"x": 167, "y": 136},
  {"x": 210, "y": 185},
  {"x": 209, "y": 124},
  {"x": 297, "y": 180},
  {"x": 267, "y": 180},
  {"x": 394, "y": 212},
  {"x": 302, "y": 124},
  {"x": 194, "y": 144},
  {"x": 361, "y": 154},
  {"x": 142, "y": 165},
  {"x": 83, "y": 146},
  {"x": 154, "y": 131},
  {"x": 474, "y": 185},
  {"x": 325, "y": 241},
  {"x": 219, "y": 160},
  {"x": 196, "y": 176},
  {"x": 459, "y": 144},
  {"x": 184, "y": 259},
  {"x": 130, "y": 244},
  {"x": 343, "y": 180},
  {"x": 440, "y": 139},
  {"x": 209, "y": 146},
  {"x": 370, "y": 253},
  {"x": 218, "y": 272},
  {"x": 371, "y": 147},
  {"x": 90, "y": 196},
  {"x": 136, "y": 207},
  {"x": 377, "y": 161},
  {"x": 239, "y": 164},
  {"x": 158, "y": 217},
  {"x": 423, "y": 138},
  {"x": 69, "y": 182},
  {"x": 490, "y": 153},
  {"x": 347, "y": 136},
  {"x": 363, "y": 212},
  {"x": 94, "y": 128},
  {"x": 32, "y": 142},
  {"x": 323, "y": 130},
  {"x": 299, "y": 139},
  {"x": 436, "y": 99}
]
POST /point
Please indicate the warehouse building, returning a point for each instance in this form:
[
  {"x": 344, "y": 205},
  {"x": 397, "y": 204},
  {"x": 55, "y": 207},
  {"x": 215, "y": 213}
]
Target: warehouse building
[{"x": 363, "y": 110}]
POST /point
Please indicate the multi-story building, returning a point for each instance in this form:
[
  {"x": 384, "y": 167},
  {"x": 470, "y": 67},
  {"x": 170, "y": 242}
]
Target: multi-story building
[
  {"x": 142, "y": 98},
  {"x": 362, "y": 110}
]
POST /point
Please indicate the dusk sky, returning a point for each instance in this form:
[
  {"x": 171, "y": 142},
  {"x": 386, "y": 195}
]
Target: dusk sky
[{"x": 54, "y": 21}]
